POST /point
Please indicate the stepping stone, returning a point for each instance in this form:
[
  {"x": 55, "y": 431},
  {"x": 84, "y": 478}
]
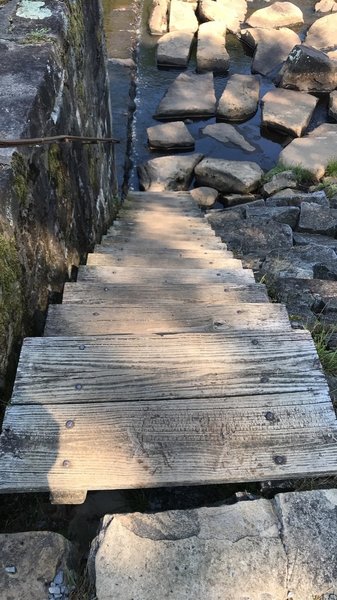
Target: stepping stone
[
  {"x": 333, "y": 105},
  {"x": 309, "y": 70},
  {"x": 229, "y": 175},
  {"x": 174, "y": 48},
  {"x": 223, "y": 132},
  {"x": 205, "y": 196},
  {"x": 190, "y": 95},
  {"x": 211, "y": 48},
  {"x": 170, "y": 136},
  {"x": 233, "y": 12},
  {"x": 287, "y": 111},
  {"x": 279, "y": 14},
  {"x": 182, "y": 17},
  {"x": 272, "y": 47},
  {"x": 158, "y": 21},
  {"x": 326, "y": 6},
  {"x": 322, "y": 34},
  {"x": 312, "y": 152},
  {"x": 168, "y": 172},
  {"x": 240, "y": 98}
]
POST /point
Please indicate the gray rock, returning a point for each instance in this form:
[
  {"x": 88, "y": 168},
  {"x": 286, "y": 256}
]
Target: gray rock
[
  {"x": 272, "y": 47},
  {"x": 240, "y": 98},
  {"x": 322, "y": 33},
  {"x": 332, "y": 54},
  {"x": 326, "y": 6},
  {"x": 312, "y": 152},
  {"x": 308, "y": 70},
  {"x": 226, "y": 133},
  {"x": 287, "y": 111},
  {"x": 280, "y": 181},
  {"x": 316, "y": 219},
  {"x": 305, "y": 239},
  {"x": 211, "y": 48},
  {"x": 303, "y": 262},
  {"x": 182, "y": 16},
  {"x": 158, "y": 20},
  {"x": 167, "y": 173},
  {"x": 333, "y": 105},
  {"x": 278, "y": 14},
  {"x": 295, "y": 198},
  {"x": 282, "y": 214},
  {"x": 241, "y": 201},
  {"x": 174, "y": 48},
  {"x": 205, "y": 196},
  {"x": 228, "y": 175},
  {"x": 190, "y": 95},
  {"x": 233, "y": 12},
  {"x": 170, "y": 136}
]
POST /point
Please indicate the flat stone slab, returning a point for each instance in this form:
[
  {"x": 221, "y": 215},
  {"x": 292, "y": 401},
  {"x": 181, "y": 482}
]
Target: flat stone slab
[
  {"x": 182, "y": 16},
  {"x": 211, "y": 48},
  {"x": 167, "y": 173},
  {"x": 333, "y": 105},
  {"x": 313, "y": 152},
  {"x": 229, "y": 175},
  {"x": 174, "y": 49},
  {"x": 287, "y": 111},
  {"x": 240, "y": 98},
  {"x": 278, "y": 14},
  {"x": 205, "y": 196},
  {"x": 316, "y": 219},
  {"x": 226, "y": 133},
  {"x": 322, "y": 33},
  {"x": 158, "y": 20},
  {"x": 170, "y": 136},
  {"x": 190, "y": 95},
  {"x": 272, "y": 47},
  {"x": 309, "y": 70},
  {"x": 231, "y": 11},
  {"x": 289, "y": 197}
]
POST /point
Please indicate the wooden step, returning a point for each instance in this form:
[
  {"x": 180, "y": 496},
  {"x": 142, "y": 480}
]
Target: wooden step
[
  {"x": 109, "y": 294},
  {"x": 169, "y": 260},
  {"x": 158, "y": 276},
  {"x": 160, "y": 317},
  {"x": 138, "y": 249},
  {"x": 130, "y": 243}
]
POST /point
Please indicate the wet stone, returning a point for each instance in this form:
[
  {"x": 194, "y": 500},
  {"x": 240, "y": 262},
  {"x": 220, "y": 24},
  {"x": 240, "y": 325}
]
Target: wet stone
[
  {"x": 272, "y": 47},
  {"x": 174, "y": 48},
  {"x": 308, "y": 70},
  {"x": 190, "y": 95},
  {"x": 170, "y": 136},
  {"x": 287, "y": 111},
  {"x": 228, "y": 134},
  {"x": 211, "y": 48},
  {"x": 239, "y": 100}
]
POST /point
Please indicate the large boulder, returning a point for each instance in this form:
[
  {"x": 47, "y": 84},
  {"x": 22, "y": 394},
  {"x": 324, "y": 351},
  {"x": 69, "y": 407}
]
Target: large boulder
[
  {"x": 226, "y": 133},
  {"x": 279, "y": 14},
  {"x": 231, "y": 11},
  {"x": 312, "y": 152},
  {"x": 205, "y": 196},
  {"x": 172, "y": 173},
  {"x": 174, "y": 48},
  {"x": 309, "y": 70},
  {"x": 182, "y": 16},
  {"x": 211, "y": 48},
  {"x": 322, "y": 34},
  {"x": 287, "y": 111},
  {"x": 170, "y": 136},
  {"x": 240, "y": 98},
  {"x": 272, "y": 47},
  {"x": 158, "y": 20},
  {"x": 190, "y": 95},
  {"x": 229, "y": 175},
  {"x": 326, "y": 6}
]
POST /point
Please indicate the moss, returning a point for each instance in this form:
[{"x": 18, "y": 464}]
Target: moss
[
  {"x": 57, "y": 170},
  {"x": 39, "y": 36},
  {"x": 20, "y": 179},
  {"x": 11, "y": 303}
]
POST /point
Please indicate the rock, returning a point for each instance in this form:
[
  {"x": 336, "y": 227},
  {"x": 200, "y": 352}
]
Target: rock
[
  {"x": 312, "y": 152},
  {"x": 326, "y": 6},
  {"x": 205, "y": 196},
  {"x": 278, "y": 14},
  {"x": 211, "y": 48},
  {"x": 190, "y": 95},
  {"x": 170, "y": 136},
  {"x": 258, "y": 238},
  {"x": 223, "y": 132},
  {"x": 167, "y": 173},
  {"x": 287, "y": 111},
  {"x": 303, "y": 262},
  {"x": 305, "y": 239},
  {"x": 174, "y": 48},
  {"x": 290, "y": 197},
  {"x": 229, "y": 175},
  {"x": 333, "y": 105},
  {"x": 272, "y": 47},
  {"x": 233, "y": 12},
  {"x": 33, "y": 559},
  {"x": 182, "y": 17},
  {"x": 322, "y": 33},
  {"x": 158, "y": 21},
  {"x": 240, "y": 99},
  {"x": 280, "y": 181},
  {"x": 308, "y": 70},
  {"x": 332, "y": 54},
  {"x": 242, "y": 201},
  {"x": 316, "y": 219},
  {"x": 282, "y": 214}
]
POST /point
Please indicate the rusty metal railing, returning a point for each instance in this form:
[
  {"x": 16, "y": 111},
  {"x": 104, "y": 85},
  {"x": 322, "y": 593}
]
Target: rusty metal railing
[{"x": 56, "y": 139}]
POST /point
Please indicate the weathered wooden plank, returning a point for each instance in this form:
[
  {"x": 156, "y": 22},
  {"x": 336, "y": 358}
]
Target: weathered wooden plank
[
  {"x": 157, "y": 276},
  {"x": 155, "y": 317},
  {"x": 162, "y": 367},
  {"x": 110, "y": 294},
  {"x": 190, "y": 208},
  {"x": 84, "y": 447},
  {"x": 108, "y": 258},
  {"x": 138, "y": 248},
  {"x": 130, "y": 243}
]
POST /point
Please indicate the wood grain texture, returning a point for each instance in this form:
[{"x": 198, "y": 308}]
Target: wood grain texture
[
  {"x": 163, "y": 367},
  {"x": 130, "y": 243},
  {"x": 154, "y": 317},
  {"x": 168, "y": 260},
  {"x": 109, "y": 294}
]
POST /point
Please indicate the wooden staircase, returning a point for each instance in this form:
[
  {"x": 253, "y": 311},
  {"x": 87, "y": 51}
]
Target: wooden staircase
[{"x": 165, "y": 365}]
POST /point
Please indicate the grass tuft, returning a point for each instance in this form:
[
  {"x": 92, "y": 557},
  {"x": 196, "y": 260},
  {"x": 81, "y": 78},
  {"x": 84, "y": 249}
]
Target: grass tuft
[
  {"x": 331, "y": 170},
  {"x": 321, "y": 336},
  {"x": 302, "y": 176}
]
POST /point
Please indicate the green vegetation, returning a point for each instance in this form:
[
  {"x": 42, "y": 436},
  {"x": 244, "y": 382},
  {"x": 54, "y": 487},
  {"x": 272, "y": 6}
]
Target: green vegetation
[
  {"x": 329, "y": 188},
  {"x": 39, "y": 36},
  {"x": 322, "y": 336},
  {"x": 20, "y": 178},
  {"x": 10, "y": 291},
  {"x": 57, "y": 170},
  {"x": 331, "y": 170},
  {"x": 303, "y": 176}
]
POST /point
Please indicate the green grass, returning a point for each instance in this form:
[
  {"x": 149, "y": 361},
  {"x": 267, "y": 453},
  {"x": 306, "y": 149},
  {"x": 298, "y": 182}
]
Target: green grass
[
  {"x": 331, "y": 170},
  {"x": 329, "y": 188},
  {"x": 321, "y": 336},
  {"x": 40, "y": 36},
  {"x": 303, "y": 176}
]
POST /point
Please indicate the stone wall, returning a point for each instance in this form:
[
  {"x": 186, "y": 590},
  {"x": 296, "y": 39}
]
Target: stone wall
[{"x": 55, "y": 200}]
